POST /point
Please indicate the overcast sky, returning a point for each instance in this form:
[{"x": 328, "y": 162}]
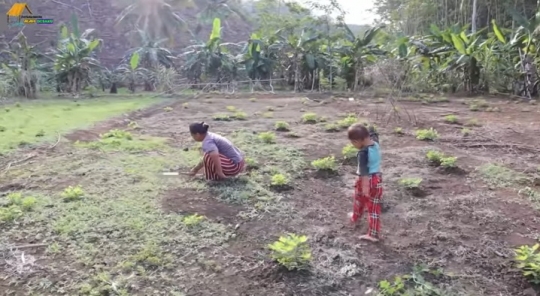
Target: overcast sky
[{"x": 357, "y": 10}]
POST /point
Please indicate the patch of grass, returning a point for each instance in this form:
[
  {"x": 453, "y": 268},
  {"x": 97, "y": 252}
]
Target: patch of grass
[
  {"x": 282, "y": 126},
  {"x": 253, "y": 100},
  {"x": 268, "y": 115},
  {"x": 348, "y": 121},
  {"x": 270, "y": 109},
  {"x": 438, "y": 158},
  {"x": 72, "y": 193},
  {"x": 119, "y": 221},
  {"x": 15, "y": 205},
  {"x": 279, "y": 180},
  {"x": 267, "y": 137},
  {"x": 167, "y": 109},
  {"x": 465, "y": 132},
  {"x": 415, "y": 283},
  {"x": 451, "y": 119},
  {"x": 193, "y": 220},
  {"x": 434, "y": 156},
  {"x": 448, "y": 162},
  {"x": 532, "y": 195},
  {"x": 231, "y": 108},
  {"x": 310, "y": 118},
  {"x": 349, "y": 151},
  {"x": 251, "y": 164},
  {"x": 292, "y": 251},
  {"x": 528, "y": 262},
  {"x": 120, "y": 140},
  {"x": 398, "y": 131},
  {"x": 473, "y": 122},
  {"x": 499, "y": 176},
  {"x": 332, "y": 127},
  {"x": 427, "y": 134},
  {"x": 239, "y": 115},
  {"x": 51, "y": 116},
  {"x": 410, "y": 183},
  {"x": 117, "y": 134},
  {"x": 221, "y": 117},
  {"x": 325, "y": 164}
]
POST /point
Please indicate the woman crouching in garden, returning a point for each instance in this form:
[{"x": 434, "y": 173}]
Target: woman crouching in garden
[{"x": 221, "y": 158}]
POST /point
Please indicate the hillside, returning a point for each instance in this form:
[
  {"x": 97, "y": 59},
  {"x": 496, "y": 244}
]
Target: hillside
[{"x": 101, "y": 15}]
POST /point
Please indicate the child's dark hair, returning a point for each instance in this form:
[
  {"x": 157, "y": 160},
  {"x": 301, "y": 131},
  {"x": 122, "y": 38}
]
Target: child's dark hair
[
  {"x": 199, "y": 128},
  {"x": 358, "y": 132}
]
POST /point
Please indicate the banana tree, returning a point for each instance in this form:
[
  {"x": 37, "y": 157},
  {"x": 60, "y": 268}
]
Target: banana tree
[
  {"x": 75, "y": 57},
  {"x": 455, "y": 50},
  {"x": 22, "y": 71},
  {"x": 259, "y": 57},
  {"x": 212, "y": 58},
  {"x": 525, "y": 40},
  {"x": 357, "y": 51},
  {"x": 299, "y": 51},
  {"x": 131, "y": 73},
  {"x": 151, "y": 54}
]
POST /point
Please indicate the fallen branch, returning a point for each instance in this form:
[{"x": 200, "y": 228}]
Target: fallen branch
[
  {"x": 499, "y": 145},
  {"x": 17, "y": 162},
  {"x": 57, "y": 141},
  {"x": 24, "y": 247}
]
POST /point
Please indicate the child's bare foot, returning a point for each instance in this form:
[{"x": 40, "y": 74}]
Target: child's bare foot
[
  {"x": 369, "y": 238},
  {"x": 352, "y": 223}
]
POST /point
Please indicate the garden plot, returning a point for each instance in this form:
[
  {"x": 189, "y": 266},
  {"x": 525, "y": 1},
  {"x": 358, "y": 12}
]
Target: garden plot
[{"x": 95, "y": 216}]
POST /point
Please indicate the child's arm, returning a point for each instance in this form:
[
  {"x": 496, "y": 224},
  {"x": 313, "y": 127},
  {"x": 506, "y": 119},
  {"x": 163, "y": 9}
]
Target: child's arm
[{"x": 363, "y": 170}]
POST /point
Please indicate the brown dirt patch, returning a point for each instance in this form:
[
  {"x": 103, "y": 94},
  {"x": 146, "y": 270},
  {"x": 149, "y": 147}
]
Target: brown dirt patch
[
  {"x": 461, "y": 226},
  {"x": 186, "y": 202}
]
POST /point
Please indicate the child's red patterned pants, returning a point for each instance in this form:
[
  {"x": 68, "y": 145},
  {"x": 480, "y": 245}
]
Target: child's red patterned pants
[{"x": 371, "y": 203}]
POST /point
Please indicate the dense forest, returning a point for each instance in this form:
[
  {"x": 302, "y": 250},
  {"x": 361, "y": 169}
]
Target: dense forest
[{"x": 416, "y": 46}]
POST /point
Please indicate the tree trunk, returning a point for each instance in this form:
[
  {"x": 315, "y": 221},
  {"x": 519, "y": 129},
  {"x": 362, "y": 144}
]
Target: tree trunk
[
  {"x": 296, "y": 73},
  {"x": 357, "y": 74},
  {"x": 474, "y": 16},
  {"x": 114, "y": 88},
  {"x": 148, "y": 86}
]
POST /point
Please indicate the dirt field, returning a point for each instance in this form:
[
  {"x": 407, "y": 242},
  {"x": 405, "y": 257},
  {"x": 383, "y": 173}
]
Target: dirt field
[{"x": 127, "y": 234}]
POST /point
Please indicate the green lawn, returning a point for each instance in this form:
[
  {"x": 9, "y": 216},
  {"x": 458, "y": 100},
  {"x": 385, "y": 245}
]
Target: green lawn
[{"x": 35, "y": 121}]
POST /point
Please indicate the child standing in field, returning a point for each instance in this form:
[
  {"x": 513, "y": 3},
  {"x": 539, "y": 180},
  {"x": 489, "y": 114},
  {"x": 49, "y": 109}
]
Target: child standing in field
[{"x": 368, "y": 187}]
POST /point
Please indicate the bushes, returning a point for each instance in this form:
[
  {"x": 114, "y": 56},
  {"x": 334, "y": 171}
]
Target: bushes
[
  {"x": 528, "y": 262},
  {"x": 15, "y": 206},
  {"x": 291, "y": 251},
  {"x": 325, "y": 164}
]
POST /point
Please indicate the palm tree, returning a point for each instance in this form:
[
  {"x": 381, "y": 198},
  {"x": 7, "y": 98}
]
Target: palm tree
[
  {"x": 357, "y": 50},
  {"x": 222, "y": 9},
  {"x": 151, "y": 54},
  {"x": 157, "y": 16},
  {"x": 212, "y": 58}
]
